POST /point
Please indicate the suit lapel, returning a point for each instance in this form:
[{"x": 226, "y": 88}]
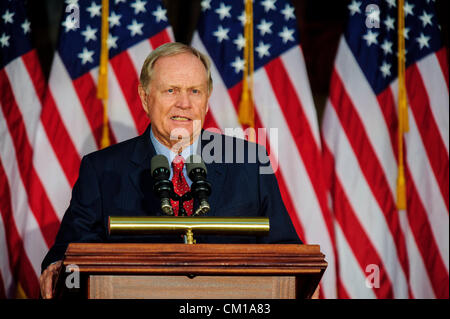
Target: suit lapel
[
  {"x": 140, "y": 174},
  {"x": 216, "y": 173}
]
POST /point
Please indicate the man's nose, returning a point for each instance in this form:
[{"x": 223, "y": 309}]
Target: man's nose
[{"x": 184, "y": 100}]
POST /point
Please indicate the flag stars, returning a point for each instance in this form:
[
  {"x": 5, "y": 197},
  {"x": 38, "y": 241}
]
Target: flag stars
[
  {"x": 206, "y": 4},
  {"x": 111, "y": 42},
  {"x": 89, "y": 34},
  {"x": 26, "y": 26},
  {"x": 69, "y": 24},
  {"x": 240, "y": 42},
  {"x": 391, "y": 3},
  {"x": 426, "y": 19},
  {"x": 406, "y": 33},
  {"x": 387, "y": 47},
  {"x": 135, "y": 28},
  {"x": 423, "y": 41},
  {"x": 243, "y": 18},
  {"x": 269, "y": 5},
  {"x": 385, "y": 69},
  {"x": 221, "y": 34},
  {"x": 370, "y": 37},
  {"x": 139, "y": 6},
  {"x": 354, "y": 7},
  {"x": 287, "y": 35},
  {"x": 408, "y": 8},
  {"x": 94, "y": 10},
  {"x": 223, "y": 11},
  {"x": 264, "y": 27},
  {"x": 114, "y": 19},
  {"x": 86, "y": 56},
  {"x": 389, "y": 23},
  {"x": 8, "y": 17},
  {"x": 288, "y": 12},
  {"x": 160, "y": 14},
  {"x": 262, "y": 49},
  {"x": 238, "y": 64},
  {"x": 4, "y": 40}
]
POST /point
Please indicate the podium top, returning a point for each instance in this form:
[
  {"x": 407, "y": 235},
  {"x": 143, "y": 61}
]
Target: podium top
[{"x": 198, "y": 259}]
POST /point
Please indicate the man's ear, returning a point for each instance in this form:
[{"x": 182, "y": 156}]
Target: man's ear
[
  {"x": 207, "y": 105},
  {"x": 143, "y": 96}
]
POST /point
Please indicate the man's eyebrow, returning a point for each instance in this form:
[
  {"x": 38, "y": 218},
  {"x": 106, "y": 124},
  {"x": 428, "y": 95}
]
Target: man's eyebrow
[
  {"x": 202, "y": 85},
  {"x": 198, "y": 85}
]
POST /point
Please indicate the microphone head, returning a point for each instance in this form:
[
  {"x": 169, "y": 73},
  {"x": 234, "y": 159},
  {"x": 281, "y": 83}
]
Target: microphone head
[
  {"x": 194, "y": 161},
  {"x": 158, "y": 162}
]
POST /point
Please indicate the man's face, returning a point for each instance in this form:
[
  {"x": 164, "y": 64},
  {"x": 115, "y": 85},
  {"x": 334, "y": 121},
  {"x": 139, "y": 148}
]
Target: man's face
[{"x": 177, "y": 96}]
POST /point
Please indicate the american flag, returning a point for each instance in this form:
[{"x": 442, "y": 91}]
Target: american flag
[
  {"x": 22, "y": 85},
  {"x": 43, "y": 146},
  {"x": 283, "y": 101},
  {"x": 384, "y": 252}
]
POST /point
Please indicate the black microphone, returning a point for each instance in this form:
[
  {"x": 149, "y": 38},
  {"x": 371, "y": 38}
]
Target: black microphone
[
  {"x": 162, "y": 187},
  {"x": 200, "y": 187}
]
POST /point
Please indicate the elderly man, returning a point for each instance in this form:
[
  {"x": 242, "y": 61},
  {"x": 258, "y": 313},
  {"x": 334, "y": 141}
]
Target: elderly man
[{"x": 175, "y": 87}]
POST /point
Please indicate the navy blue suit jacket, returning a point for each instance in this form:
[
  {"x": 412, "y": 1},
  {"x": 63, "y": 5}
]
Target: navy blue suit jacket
[{"x": 116, "y": 181}]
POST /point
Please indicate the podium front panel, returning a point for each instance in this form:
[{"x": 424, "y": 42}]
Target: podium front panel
[{"x": 199, "y": 287}]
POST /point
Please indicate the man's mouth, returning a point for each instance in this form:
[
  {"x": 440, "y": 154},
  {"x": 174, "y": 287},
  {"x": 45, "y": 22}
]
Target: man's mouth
[{"x": 180, "y": 118}]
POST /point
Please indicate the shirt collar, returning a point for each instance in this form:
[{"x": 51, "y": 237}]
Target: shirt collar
[{"x": 164, "y": 150}]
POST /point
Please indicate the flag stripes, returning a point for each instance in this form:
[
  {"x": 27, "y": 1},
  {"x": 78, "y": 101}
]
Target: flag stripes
[
  {"x": 437, "y": 104},
  {"x": 426, "y": 242},
  {"x": 437, "y": 152},
  {"x": 128, "y": 81},
  {"x": 388, "y": 108},
  {"x": 24, "y": 239},
  {"x": 37, "y": 197},
  {"x": 368, "y": 163},
  {"x": 19, "y": 266},
  {"x": 441, "y": 56},
  {"x": 58, "y": 137},
  {"x": 69, "y": 108},
  {"x": 86, "y": 91},
  {"x": 46, "y": 129},
  {"x": 350, "y": 212},
  {"x": 360, "y": 137},
  {"x": 296, "y": 116}
]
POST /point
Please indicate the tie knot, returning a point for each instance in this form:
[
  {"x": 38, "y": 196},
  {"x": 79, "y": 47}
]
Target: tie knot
[{"x": 177, "y": 164}]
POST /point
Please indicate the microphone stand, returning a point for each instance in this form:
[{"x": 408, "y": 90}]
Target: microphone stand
[
  {"x": 181, "y": 211},
  {"x": 181, "y": 199}
]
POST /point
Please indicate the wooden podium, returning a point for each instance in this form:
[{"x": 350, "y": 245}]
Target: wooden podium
[{"x": 200, "y": 271}]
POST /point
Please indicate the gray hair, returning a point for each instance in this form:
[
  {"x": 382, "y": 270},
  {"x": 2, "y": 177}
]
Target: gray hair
[{"x": 170, "y": 49}]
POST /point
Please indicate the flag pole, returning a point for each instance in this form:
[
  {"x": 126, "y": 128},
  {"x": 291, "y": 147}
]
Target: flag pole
[
  {"x": 403, "y": 125},
  {"x": 246, "y": 107},
  {"x": 102, "y": 88}
]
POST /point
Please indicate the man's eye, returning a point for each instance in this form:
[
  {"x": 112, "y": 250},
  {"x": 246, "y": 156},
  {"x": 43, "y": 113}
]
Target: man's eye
[
  {"x": 170, "y": 90},
  {"x": 195, "y": 91}
]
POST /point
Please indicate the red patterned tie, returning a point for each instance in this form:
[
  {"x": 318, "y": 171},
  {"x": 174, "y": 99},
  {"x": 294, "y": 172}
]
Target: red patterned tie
[{"x": 180, "y": 185}]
